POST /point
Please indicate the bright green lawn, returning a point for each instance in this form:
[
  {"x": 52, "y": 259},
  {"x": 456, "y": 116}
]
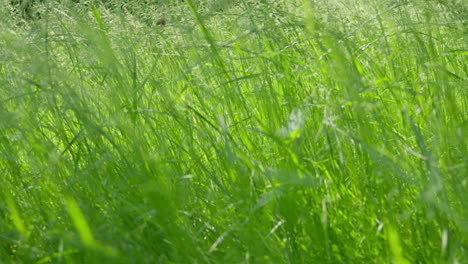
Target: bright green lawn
[{"x": 241, "y": 132}]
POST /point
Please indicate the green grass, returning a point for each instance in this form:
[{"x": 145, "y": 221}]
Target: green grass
[{"x": 240, "y": 132}]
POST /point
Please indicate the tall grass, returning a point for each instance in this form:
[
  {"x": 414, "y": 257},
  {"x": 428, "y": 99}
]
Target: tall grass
[{"x": 239, "y": 132}]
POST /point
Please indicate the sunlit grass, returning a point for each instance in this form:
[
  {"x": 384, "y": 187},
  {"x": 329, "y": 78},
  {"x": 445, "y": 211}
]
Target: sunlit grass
[{"x": 238, "y": 132}]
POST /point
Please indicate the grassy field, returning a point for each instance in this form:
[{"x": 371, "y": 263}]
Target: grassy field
[{"x": 240, "y": 131}]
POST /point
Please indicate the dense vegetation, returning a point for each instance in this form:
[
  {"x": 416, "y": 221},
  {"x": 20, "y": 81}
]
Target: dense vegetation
[{"x": 261, "y": 131}]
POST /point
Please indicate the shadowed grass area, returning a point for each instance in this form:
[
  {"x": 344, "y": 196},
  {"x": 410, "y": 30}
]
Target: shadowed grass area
[{"x": 237, "y": 132}]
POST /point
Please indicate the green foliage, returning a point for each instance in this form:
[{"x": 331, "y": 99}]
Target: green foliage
[{"x": 238, "y": 132}]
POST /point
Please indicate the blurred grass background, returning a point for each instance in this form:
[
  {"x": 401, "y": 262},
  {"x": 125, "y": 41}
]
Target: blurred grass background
[{"x": 239, "y": 132}]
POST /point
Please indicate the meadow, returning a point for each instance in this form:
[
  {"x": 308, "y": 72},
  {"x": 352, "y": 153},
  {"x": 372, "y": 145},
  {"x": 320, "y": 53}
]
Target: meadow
[{"x": 237, "y": 131}]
